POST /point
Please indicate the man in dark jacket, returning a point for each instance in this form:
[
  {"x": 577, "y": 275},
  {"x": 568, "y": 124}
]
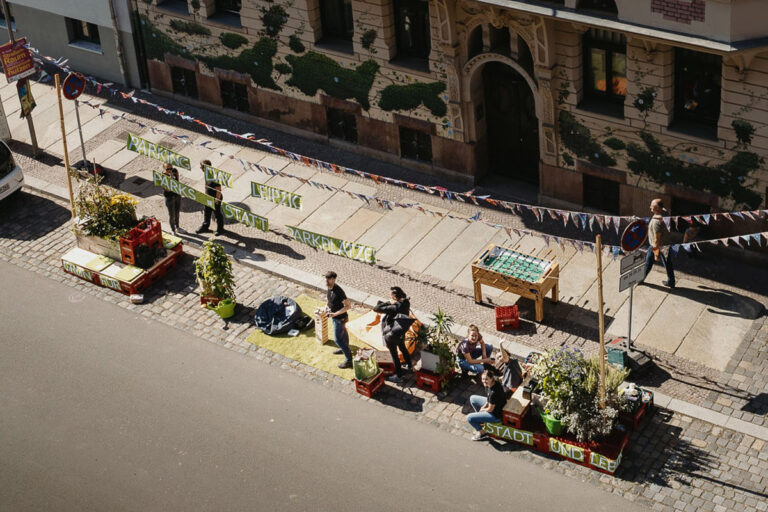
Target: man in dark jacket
[
  {"x": 394, "y": 327},
  {"x": 213, "y": 189}
]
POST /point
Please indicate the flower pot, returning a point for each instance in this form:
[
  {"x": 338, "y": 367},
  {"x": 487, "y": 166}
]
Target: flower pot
[
  {"x": 225, "y": 308},
  {"x": 553, "y": 425},
  {"x": 429, "y": 361}
]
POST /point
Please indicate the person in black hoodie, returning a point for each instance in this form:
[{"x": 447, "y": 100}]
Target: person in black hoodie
[{"x": 394, "y": 324}]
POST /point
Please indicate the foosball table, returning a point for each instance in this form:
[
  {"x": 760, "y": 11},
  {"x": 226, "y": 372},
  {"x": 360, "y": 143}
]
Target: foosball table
[{"x": 518, "y": 273}]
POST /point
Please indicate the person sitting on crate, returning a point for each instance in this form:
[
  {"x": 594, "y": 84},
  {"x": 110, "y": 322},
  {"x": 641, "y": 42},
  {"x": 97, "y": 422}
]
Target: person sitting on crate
[
  {"x": 394, "y": 324},
  {"x": 489, "y": 408},
  {"x": 473, "y": 353}
]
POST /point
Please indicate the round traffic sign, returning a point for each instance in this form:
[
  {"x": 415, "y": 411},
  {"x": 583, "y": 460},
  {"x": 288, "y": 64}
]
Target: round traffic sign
[
  {"x": 634, "y": 236},
  {"x": 73, "y": 85}
]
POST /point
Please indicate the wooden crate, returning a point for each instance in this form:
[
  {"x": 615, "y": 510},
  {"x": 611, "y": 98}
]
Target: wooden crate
[
  {"x": 516, "y": 409},
  {"x": 536, "y": 291},
  {"x": 430, "y": 381},
  {"x": 370, "y": 387}
]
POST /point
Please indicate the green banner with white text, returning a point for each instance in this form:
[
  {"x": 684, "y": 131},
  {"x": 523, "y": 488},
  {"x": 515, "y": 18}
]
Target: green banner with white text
[
  {"x": 215, "y": 175},
  {"x": 228, "y": 210},
  {"x": 152, "y": 150},
  {"x": 335, "y": 246},
  {"x": 275, "y": 195}
]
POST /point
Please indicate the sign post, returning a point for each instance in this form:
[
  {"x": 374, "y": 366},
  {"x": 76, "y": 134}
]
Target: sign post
[
  {"x": 73, "y": 87},
  {"x": 601, "y": 321},
  {"x": 18, "y": 64},
  {"x": 632, "y": 269},
  {"x": 64, "y": 142}
]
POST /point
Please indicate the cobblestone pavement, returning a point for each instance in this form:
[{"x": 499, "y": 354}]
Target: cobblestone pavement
[
  {"x": 674, "y": 462},
  {"x": 674, "y": 376}
]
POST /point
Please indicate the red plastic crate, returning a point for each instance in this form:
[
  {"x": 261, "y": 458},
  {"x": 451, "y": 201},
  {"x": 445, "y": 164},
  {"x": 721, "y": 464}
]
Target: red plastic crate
[
  {"x": 430, "y": 381},
  {"x": 506, "y": 317},
  {"x": 370, "y": 387},
  {"x": 148, "y": 232}
]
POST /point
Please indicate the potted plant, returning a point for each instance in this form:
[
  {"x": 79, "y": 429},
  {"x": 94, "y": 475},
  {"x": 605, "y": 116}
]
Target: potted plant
[
  {"x": 569, "y": 385},
  {"x": 439, "y": 353},
  {"x": 103, "y": 215},
  {"x": 217, "y": 281}
]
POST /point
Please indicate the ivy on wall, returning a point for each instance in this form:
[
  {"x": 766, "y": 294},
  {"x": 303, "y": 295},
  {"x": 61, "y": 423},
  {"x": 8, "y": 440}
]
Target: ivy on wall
[
  {"x": 314, "y": 71},
  {"x": 273, "y": 19},
  {"x": 157, "y": 43},
  {"x": 409, "y": 97},
  {"x": 255, "y": 61},
  {"x": 578, "y": 139},
  {"x": 232, "y": 40},
  {"x": 657, "y": 163},
  {"x": 726, "y": 180},
  {"x": 189, "y": 27}
]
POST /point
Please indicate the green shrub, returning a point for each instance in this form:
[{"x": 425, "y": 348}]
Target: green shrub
[
  {"x": 409, "y": 97},
  {"x": 232, "y": 40},
  {"x": 189, "y": 27}
]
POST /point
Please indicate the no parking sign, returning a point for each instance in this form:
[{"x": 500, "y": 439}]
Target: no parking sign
[
  {"x": 634, "y": 236},
  {"x": 73, "y": 86}
]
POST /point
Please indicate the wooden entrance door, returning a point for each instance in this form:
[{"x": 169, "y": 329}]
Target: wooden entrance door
[{"x": 511, "y": 123}]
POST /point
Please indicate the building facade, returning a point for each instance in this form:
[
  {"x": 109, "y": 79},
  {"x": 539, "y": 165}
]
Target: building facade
[
  {"x": 602, "y": 104},
  {"x": 95, "y": 35}
]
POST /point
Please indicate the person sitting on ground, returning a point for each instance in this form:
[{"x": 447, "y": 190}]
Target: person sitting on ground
[
  {"x": 489, "y": 408},
  {"x": 393, "y": 331},
  {"x": 509, "y": 370},
  {"x": 473, "y": 352}
]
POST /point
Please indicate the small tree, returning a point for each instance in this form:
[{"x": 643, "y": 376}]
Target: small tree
[
  {"x": 214, "y": 272},
  {"x": 440, "y": 342}
]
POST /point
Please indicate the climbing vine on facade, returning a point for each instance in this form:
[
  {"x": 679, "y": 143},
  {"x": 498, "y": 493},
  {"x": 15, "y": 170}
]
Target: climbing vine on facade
[{"x": 409, "y": 97}]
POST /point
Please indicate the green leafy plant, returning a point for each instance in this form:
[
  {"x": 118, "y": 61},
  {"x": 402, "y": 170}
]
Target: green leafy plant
[
  {"x": 314, "y": 71},
  {"x": 569, "y": 384},
  {"x": 273, "y": 19},
  {"x": 645, "y": 100},
  {"x": 156, "y": 42},
  {"x": 441, "y": 342},
  {"x": 189, "y": 27},
  {"x": 104, "y": 211},
  {"x": 214, "y": 272},
  {"x": 232, "y": 40},
  {"x": 614, "y": 143},
  {"x": 195, "y": 5},
  {"x": 408, "y": 97},
  {"x": 295, "y": 44}
]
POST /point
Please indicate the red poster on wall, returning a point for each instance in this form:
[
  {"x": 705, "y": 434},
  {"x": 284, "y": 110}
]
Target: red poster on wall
[{"x": 16, "y": 60}]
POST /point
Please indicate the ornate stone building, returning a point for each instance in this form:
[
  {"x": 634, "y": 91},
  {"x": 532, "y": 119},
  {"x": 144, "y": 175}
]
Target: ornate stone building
[{"x": 601, "y": 104}]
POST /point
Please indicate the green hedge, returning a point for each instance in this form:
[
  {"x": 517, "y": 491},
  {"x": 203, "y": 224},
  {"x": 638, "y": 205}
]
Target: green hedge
[
  {"x": 409, "y": 97},
  {"x": 314, "y": 71}
]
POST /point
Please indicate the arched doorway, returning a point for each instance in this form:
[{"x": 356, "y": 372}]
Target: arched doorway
[{"x": 512, "y": 128}]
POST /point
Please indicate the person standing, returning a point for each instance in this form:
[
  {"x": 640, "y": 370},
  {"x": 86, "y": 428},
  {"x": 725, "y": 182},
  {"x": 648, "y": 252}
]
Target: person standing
[
  {"x": 213, "y": 189},
  {"x": 172, "y": 200},
  {"x": 658, "y": 238},
  {"x": 489, "y": 408},
  {"x": 393, "y": 329},
  {"x": 337, "y": 306}
]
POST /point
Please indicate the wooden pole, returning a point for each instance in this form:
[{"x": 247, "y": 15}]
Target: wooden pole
[
  {"x": 64, "y": 142},
  {"x": 601, "y": 320}
]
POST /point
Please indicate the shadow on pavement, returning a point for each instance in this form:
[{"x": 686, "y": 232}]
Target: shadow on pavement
[
  {"x": 400, "y": 398},
  {"x": 720, "y": 302},
  {"x": 30, "y": 217},
  {"x": 758, "y": 404},
  {"x": 44, "y": 157}
]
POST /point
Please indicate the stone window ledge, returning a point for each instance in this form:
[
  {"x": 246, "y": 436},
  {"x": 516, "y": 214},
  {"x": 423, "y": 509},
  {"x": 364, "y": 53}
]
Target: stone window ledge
[{"x": 87, "y": 46}]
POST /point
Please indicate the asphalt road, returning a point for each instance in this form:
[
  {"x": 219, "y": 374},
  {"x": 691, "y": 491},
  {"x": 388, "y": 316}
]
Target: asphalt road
[{"x": 103, "y": 409}]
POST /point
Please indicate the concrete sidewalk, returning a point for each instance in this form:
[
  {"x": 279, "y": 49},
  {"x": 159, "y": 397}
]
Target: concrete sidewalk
[{"x": 701, "y": 326}]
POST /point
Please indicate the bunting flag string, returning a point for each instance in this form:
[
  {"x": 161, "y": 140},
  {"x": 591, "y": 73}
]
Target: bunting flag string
[{"x": 581, "y": 220}]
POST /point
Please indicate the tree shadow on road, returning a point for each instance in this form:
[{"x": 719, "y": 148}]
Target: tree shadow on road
[{"x": 718, "y": 300}]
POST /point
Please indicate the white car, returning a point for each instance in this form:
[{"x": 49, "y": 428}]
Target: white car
[{"x": 11, "y": 178}]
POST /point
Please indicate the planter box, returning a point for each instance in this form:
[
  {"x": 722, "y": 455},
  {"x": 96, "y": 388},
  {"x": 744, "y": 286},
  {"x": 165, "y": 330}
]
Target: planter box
[
  {"x": 97, "y": 245},
  {"x": 429, "y": 361}
]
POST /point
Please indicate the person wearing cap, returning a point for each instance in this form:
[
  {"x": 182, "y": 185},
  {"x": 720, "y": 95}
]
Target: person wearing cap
[
  {"x": 337, "y": 307},
  {"x": 213, "y": 189},
  {"x": 658, "y": 238},
  {"x": 172, "y": 199}
]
